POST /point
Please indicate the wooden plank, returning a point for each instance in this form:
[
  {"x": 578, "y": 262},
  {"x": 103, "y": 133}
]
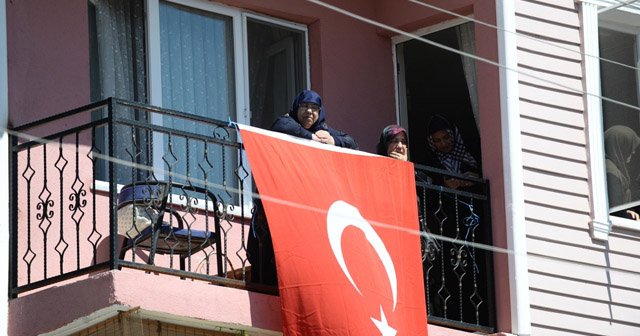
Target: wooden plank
[
  {"x": 550, "y": 164},
  {"x": 549, "y": 30},
  {"x": 569, "y": 151},
  {"x": 568, "y": 269},
  {"x": 625, "y": 244},
  {"x": 558, "y": 49},
  {"x": 559, "y": 132},
  {"x": 555, "y": 115},
  {"x": 580, "y": 324},
  {"x": 577, "y": 235},
  {"x": 554, "y": 215},
  {"x": 557, "y": 82},
  {"x": 567, "y": 4},
  {"x": 568, "y": 16},
  {"x": 573, "y": 101},
  {"x": 548, "y": 63},
  {"x": 556, "y": 199},
  {"x": 576, "y": 186}
]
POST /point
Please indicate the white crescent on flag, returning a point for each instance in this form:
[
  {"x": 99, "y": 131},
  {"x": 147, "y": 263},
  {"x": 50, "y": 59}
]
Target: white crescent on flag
[{"x": 341, "y": 215}]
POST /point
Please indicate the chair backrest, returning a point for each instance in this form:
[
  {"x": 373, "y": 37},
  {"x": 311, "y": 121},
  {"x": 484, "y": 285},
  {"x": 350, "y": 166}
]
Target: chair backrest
[
  {"x": 140, "y": 205},
  {"x": 151, "y": 194}
]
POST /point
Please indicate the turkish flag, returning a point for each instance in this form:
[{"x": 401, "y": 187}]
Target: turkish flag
[{"x": 344, "y": 225}]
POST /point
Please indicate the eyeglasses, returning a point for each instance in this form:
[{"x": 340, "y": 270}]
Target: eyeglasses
[{"x": 310, "y": 106}]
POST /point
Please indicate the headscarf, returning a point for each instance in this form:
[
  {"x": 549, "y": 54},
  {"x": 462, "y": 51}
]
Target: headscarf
[
  {"x": 309, "y": 96},
  {"x": 620, "y": 142},
  {"x": 387, "y": 135},
  {"x": 453, "y": 160}
]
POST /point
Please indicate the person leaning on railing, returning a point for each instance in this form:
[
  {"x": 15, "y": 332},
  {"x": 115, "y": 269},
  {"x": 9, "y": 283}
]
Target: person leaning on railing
[
  {"x": 448, "y": 152},
  {"x": 394, "y": 143},
  {"x": 305, "y": 119}
]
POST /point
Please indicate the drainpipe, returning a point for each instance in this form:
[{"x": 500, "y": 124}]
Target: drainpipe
[
  {"x": 513, "y": 176},
  {"x": 4, "y": 171}
]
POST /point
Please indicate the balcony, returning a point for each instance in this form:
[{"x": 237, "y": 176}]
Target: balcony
[{"x": 67, "y": 222}]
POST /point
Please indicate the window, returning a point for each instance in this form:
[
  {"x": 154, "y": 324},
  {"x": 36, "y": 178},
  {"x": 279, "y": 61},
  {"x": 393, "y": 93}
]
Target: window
[
  {"x": 619, "y": 82},
  {"x": 611, "y": 32},
  {"x": 195, "y": 57}
]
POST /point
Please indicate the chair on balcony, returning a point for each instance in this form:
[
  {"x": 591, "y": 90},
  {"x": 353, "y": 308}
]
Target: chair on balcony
[{"x": 149, "y": 220}]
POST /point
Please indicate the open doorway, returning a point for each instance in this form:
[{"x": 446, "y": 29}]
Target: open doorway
[
  {"x": 438, "y": 106},
  {"x": 434, "y": 81}
]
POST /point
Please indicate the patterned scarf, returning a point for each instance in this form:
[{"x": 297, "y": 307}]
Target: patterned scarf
[{"x": 453, "y": 160}]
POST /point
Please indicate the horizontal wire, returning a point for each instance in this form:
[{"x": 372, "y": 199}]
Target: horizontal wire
[
  {"x": 424, "y": 234},
  {"x": 527, "y": 36},
  {"x": 466, "y": 54},
  {"x": 390, "y": 226}
]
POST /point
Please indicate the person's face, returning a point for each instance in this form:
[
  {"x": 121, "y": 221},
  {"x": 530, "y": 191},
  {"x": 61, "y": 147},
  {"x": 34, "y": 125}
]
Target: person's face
[
  {"x": 308, "y": 114},
  {"x": 443, "y": 141},
  {"x": 398, "y": 144}
]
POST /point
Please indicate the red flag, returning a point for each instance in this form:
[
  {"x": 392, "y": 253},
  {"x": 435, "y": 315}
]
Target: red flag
[{"x": 343, "y": 225}]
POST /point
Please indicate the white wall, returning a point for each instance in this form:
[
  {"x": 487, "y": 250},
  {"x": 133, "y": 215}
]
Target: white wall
[{"x": 577, "y": 285}]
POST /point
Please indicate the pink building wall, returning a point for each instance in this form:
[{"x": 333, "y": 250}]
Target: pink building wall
[
  {"x": 54, "y": 78},
  {"x": 351, "y": 66}
]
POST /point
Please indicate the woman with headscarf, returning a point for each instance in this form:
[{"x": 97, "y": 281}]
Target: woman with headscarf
[
  {"x": 393, "y": 143},
  {"x": 306, "y": 119},
  {"x": 450, "y": 153},
  {"x": 621, "y": 144}
]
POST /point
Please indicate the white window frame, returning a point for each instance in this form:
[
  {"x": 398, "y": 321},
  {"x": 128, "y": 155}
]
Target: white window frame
[
  {"x": 241, "y": 70},
  {"x": 622, "y": 19}
]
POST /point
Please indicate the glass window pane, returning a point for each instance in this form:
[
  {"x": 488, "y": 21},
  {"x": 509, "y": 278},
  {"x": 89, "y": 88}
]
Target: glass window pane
[
  {"x": 621, "y": 123},
  {"x": 197, "y": 61},
  {"x": 277, "y": 69}
]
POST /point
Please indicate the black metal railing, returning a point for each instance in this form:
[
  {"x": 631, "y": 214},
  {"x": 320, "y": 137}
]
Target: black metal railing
[
  {"x": 67, "y": 171},
  {"x": 458, "y": 271}
]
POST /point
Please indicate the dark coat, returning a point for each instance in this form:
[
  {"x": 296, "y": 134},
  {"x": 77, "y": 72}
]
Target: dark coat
[
  {"x": 289, "y": 123},
  {"x": 286, "y": 124}
]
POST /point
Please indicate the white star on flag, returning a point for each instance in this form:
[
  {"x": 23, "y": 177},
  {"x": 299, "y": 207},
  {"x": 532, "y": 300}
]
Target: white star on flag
[{"x": 383, "y": 326}]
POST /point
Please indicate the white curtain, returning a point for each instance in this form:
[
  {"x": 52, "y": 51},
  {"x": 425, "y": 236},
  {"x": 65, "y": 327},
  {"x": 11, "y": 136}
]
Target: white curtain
[
  {"x": 197, "y": 75},
  {"x": 121, "y": 54},
  {"x": 466, "y": 41},
  {"x": 197, "y": 62},
  {"x": 121, "y": 73}
]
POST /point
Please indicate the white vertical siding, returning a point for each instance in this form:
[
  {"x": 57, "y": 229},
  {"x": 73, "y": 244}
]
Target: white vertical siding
[{"x": 577, "y": 286}]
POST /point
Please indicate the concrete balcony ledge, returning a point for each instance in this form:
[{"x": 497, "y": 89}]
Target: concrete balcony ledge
[{"x": 75, "y": 306}]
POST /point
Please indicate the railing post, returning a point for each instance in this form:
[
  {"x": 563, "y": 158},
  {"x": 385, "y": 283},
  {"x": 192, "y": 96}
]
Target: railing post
[
  {"x": 113, "y": 232},
  {"x": 13, "y": 216}
]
